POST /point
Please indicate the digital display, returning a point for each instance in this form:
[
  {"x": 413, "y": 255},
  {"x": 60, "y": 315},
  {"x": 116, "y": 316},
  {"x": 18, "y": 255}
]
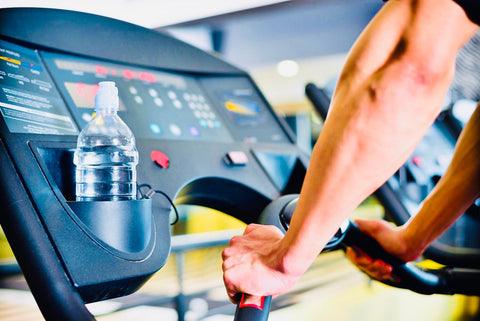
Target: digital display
[
  {"x": 242, "y": 108},
  {"x": 83, "y": 95},
  {"x": 248, "y": 117},
  {"x": 154, "y": 104},
  {"x": 119, "y": 71}
]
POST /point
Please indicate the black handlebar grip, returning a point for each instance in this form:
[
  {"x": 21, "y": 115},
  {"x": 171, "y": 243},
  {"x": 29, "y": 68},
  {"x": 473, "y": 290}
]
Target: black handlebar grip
[
  {"x": 253, "y": 308},
  {"x": 357, "y": 239},
  {"x": 404, "y": 275},
  {"x": 319, "y": 99}
]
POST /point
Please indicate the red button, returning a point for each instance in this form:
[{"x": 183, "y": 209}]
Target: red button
[
  {"x": 417, "y": 160},
  {"x": 160, "y": 158}
]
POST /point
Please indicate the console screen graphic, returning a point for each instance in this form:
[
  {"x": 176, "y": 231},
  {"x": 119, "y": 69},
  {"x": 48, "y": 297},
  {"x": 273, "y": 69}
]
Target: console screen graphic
[
  {"x": 243, "y": 109},
  {"x": 83, "y": 95},
  {"x": 246, "y": 112}
]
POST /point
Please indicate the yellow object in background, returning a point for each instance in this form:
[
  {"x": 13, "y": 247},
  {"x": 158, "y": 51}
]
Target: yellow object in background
[
  {"x": 6, "y": 253},
  {"x": 203, "y": 219}
]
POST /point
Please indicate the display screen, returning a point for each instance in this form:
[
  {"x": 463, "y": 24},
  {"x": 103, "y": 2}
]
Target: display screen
[
  {"x": 83, "y": 95},
  {"x": 242, "y": 108},
  {"x": 29, "y": 102},
  {"x": 154, "y": 104},
  {"x": 246, "y": 113}
]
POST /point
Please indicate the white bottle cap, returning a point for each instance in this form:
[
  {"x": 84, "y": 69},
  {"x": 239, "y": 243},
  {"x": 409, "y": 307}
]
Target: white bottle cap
[{"x": 107, "y": 96}]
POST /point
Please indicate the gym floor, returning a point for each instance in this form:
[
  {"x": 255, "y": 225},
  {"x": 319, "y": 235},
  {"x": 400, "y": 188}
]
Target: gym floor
[{"x": 332, "y": 289}]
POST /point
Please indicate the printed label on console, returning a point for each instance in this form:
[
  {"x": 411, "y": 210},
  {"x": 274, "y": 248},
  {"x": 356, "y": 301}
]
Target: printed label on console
[{"x": 29, "y": 102}]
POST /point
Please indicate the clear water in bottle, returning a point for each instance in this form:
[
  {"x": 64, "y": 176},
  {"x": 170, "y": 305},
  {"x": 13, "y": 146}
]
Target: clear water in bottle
[{"x": 106, "y": 155}]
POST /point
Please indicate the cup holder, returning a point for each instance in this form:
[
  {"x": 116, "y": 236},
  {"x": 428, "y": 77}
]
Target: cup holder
[{"x": 125, "y": 226}]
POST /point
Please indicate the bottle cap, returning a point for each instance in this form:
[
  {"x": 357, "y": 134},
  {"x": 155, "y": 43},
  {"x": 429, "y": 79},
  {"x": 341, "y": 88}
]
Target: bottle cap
[{"x": 107, "y": 96}]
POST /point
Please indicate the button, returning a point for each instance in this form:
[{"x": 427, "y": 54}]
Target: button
[
  {"x": 155, "y": 128},
  {"x": 443, "y": 160},
  {"x": 172, "y": 95},
  {"x": 417, "y": 160},
  {"x": 158, "y": 101},
  {"x": 133, "y": 90},
  {"x": 175, "y": 130},
  {"x": 194, "y": 131},
  {"x": 236, "y": 158},
  {"x": 160, "y": 158}
]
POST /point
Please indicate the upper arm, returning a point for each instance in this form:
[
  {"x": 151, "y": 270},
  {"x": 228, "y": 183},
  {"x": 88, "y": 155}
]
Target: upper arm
[{"x": 425, "y": 34}]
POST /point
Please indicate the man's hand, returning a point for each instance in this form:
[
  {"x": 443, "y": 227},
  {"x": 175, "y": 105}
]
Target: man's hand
[
  {"x": 390, "y": 238},
  {"x": 253, "y": 263}
]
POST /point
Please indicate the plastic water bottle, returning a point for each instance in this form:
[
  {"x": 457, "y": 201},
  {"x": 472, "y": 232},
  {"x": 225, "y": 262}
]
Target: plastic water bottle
[{"x": 106, "y": 155}]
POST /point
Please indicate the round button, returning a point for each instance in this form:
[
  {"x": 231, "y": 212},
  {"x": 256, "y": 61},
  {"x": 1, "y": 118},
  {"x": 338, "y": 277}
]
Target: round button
[{"x": 160, "y": 158}]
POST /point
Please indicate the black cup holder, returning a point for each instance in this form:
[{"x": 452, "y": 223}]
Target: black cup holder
[{"x": 125, "y": 226}]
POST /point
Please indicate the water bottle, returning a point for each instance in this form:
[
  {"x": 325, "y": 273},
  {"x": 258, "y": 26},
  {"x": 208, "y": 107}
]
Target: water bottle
[{"x": 106, "y": 155}]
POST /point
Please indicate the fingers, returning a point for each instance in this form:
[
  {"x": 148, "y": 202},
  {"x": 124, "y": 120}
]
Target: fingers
[
  {"x": 375, "y": 268},
  {"x": 232, "y": 256},
  {"x": 370, "y": 227},
  {"x": 233, "y": 294},
  {"x": 252, "y": 227},
  {"x": 234, "y": 283},
  {"x": 248, "y": 258}
]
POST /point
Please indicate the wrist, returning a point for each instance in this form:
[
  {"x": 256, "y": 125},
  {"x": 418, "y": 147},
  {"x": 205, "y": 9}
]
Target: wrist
[
  {"x": 413, "y": 246},
  {"x": 293, "y": 259}
]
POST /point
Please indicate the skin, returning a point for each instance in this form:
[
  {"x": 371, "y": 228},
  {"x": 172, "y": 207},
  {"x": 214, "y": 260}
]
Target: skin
[
  {"x": 389, "y": 93},
  {"x": 453, "y": 194}
]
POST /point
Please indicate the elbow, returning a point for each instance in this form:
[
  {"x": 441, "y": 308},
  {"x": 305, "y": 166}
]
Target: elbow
[
  {"x": 427, "y": 74},
  {"x": 423, "y": 69},
  {"x": 420, "y": 81}
]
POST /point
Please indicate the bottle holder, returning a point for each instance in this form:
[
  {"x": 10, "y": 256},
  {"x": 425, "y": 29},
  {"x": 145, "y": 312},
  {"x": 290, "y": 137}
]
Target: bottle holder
[
  {"x": 124, "y": 228},
  {"x": 108, "y": 248},
  {"x": 123, "y": 225}
]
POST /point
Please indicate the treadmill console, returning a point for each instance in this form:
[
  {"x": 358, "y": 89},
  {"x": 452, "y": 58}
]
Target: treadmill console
[{"x": 225, "y": 148}]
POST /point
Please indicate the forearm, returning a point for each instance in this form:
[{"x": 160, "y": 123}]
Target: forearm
[
  {"x": 369, "y": 131},
  {"x": 453, "y": 194},
  {"x": 349, "y": 165}
]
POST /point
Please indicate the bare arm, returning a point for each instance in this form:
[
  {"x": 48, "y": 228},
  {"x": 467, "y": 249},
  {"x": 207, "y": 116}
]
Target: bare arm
[
  {"x": 389, "y": 93},
  {"x": 453, "y": 194}
]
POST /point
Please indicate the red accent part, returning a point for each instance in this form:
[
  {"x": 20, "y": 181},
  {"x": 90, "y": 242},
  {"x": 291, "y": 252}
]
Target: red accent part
[
  {"x": 393, "y": 277},
  {"x": 147, "y": 76},
  {"x": 236, "y": 158},
  {"x": 160, "y": 158},
  {"x": 129, "y": 74},
  {"x": 255, "y": 305},
  {"x": 101, "y": 70},
  {"x": 417, "y": 160}
]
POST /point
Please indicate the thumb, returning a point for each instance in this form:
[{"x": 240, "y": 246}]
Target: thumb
[{"x": 371, "y": 227}]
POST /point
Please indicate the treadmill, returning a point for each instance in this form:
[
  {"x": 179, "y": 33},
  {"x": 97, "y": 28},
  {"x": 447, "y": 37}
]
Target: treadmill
[{"x": 205, "y": 136}]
